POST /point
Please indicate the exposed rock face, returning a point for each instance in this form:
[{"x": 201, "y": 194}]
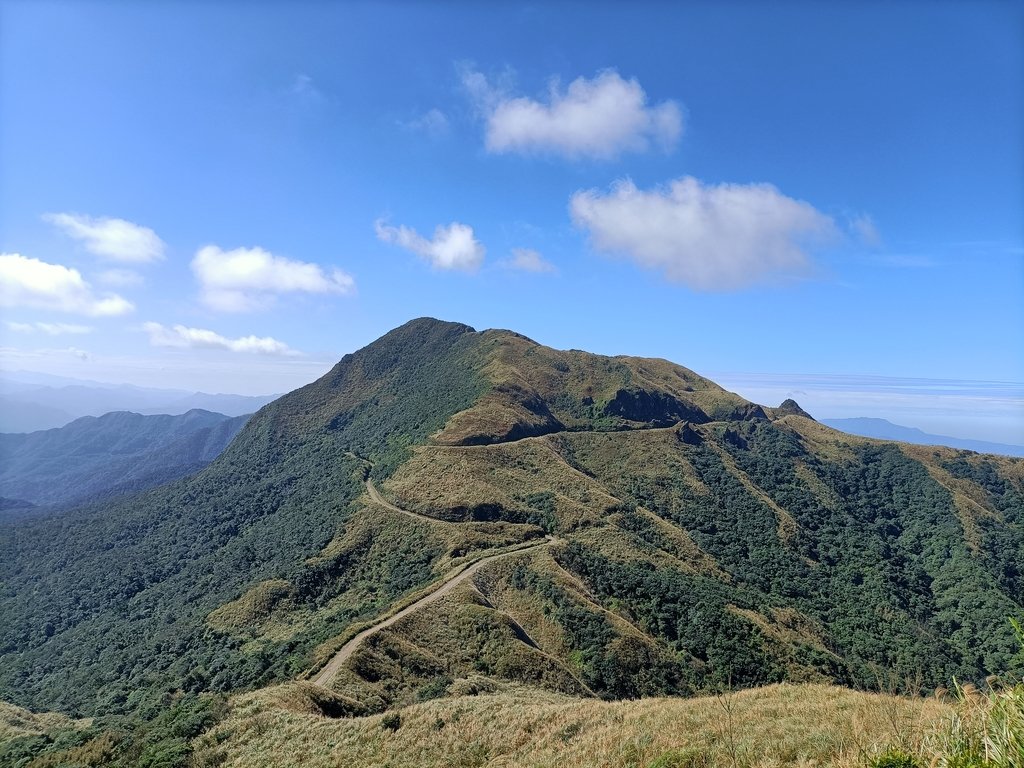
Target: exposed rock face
[{"x": 656, "y": 408}]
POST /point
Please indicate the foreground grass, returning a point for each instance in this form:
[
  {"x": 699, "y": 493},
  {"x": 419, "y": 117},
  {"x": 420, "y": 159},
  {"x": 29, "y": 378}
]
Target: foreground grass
[
  {"x": 986, "y": 730},
  {"x": 793, "y": 725}
]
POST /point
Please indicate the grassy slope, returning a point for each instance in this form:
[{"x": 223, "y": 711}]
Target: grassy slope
[
  {"x": 773, "y": 726},
  {"x": 746, "y": 552}
]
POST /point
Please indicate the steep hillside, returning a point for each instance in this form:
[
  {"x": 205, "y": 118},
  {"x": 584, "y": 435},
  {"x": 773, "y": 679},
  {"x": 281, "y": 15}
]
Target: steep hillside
[
  {"x": 110, "y": 455},
  {"x": 694, "y": 541}
]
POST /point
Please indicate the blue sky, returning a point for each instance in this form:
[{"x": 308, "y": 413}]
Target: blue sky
[{"x": 823, "y": 200}]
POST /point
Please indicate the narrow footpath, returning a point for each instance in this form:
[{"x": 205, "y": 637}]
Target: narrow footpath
[{"x": 330, "y": 670}]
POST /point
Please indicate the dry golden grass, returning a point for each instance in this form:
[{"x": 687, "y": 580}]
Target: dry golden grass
[
  {"x": 440, "y": 479},
  {"x": 262, "y": 606},
  {"x": 821, "y": 440},
  {"x": 780, "y": 725},
  {"x": 524, "y": 374},
  {"x": 16, "y": 721},
  {"x": 269, "y": 612},
  {"x": 657, "y": 373},
  {"x": 470, "y": 627},
  {"x": 620, "y": 456}
]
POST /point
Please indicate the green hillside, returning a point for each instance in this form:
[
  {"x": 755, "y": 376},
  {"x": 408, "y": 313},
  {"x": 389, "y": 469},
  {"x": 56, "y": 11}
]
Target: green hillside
[
  {"x": 696, "y": 542},
  {"x": 110, "y": 455}
]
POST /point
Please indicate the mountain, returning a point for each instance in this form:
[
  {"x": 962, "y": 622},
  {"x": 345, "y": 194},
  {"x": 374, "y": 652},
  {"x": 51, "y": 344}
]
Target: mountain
[
  {"x": 110, "y": 455},
  {"x": 450, "y": 511},
  {"x": 33, "y": 402},
  {"x": 886, "y": 430}
]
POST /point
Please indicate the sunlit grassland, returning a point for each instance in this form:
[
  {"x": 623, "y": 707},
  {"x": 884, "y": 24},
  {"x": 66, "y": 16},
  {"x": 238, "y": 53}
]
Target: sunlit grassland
[{"x": 777, "y": 725}]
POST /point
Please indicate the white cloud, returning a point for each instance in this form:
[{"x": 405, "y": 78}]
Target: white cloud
[
  {"x": 528, "y": 260},
  {"x": 52, "y": 329},
  {"x": 452, "y": 247},
  {"x": 27, "y": 282},
  {"x": 251, "y": 278},
  {"x": 114, "y": 239},
  {"x": 709, "y": 237},
  {"x": 183, "y": 337},
  {"x": 601, "y": 117}
]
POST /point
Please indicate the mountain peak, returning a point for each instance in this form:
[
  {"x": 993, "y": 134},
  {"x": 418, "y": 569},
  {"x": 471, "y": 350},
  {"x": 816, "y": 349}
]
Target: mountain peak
[
  {"x": 428, "y": 325},
  {"x": 790, "y": 406}
]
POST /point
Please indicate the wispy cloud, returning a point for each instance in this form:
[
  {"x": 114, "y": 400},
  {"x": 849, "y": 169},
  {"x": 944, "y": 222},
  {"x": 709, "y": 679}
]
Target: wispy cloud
[
  {"x": 453, "y": 247},
  {"x": 252, "y": 374},
  {"x": 709, "y": 237},
  {"x": 183, "y": 337},
  {"x": 863, "y": 226},
  {"x": 120, "y": 278},
  {"x": 28, "y": 282},
  {"x": 601, "y": 117},
  {"x": 529, "y": 260},
  {"x": 433, "y": 123},
  {"x": 113, "y": 239},
  {"x": 246, "y": 279},
  {"x": 51, "y": 329},
  {"x": 305, "y": 89},
  {"x": 906, "y": 261}
]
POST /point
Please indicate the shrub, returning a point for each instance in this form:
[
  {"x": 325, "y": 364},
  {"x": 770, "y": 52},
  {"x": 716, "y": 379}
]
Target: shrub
[
  {"x": 987, "y": 729},
  {"x": 896, "y": 758},
  {"x": 433, "y": 689}
]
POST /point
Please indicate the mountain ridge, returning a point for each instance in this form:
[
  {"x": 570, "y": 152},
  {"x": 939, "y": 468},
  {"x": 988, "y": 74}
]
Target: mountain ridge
[
  {"x": 38, "y": 402},
  {"x": 113, "y": 454},
  {"x": 703, "y": 541}
]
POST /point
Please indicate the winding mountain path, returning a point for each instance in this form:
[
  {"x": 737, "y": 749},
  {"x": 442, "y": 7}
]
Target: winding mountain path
[
  {"x": 378, "y": 499},
  {"x": 330, "y": 670}
]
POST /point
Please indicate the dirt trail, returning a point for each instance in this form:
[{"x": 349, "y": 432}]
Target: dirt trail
[
  {"x": 378, "y": 499},
  {"x": 330, "y": 671}
]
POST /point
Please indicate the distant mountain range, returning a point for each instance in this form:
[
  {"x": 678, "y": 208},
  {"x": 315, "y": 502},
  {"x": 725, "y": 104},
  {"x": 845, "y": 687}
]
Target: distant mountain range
[
  {"x": 93, "y": 458},
  {"x": 31, "y": 402},
  {"x": 886, "y": 430}
]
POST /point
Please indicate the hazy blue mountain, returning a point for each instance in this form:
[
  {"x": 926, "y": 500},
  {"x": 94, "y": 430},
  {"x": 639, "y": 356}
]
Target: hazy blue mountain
[
  {"x": 31, "y": 402},
  {"x": 109, "y": 455},
  {"x": 886, "y": 430}
]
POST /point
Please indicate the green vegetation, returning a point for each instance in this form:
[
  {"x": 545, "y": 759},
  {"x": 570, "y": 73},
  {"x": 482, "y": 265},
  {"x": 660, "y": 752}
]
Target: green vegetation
[
  {"x": 104, "y": 609},
  {"x": 987, "y": 729},
  {"x": 703, "y": 544},
  {"x": 112, "y": 455}
]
